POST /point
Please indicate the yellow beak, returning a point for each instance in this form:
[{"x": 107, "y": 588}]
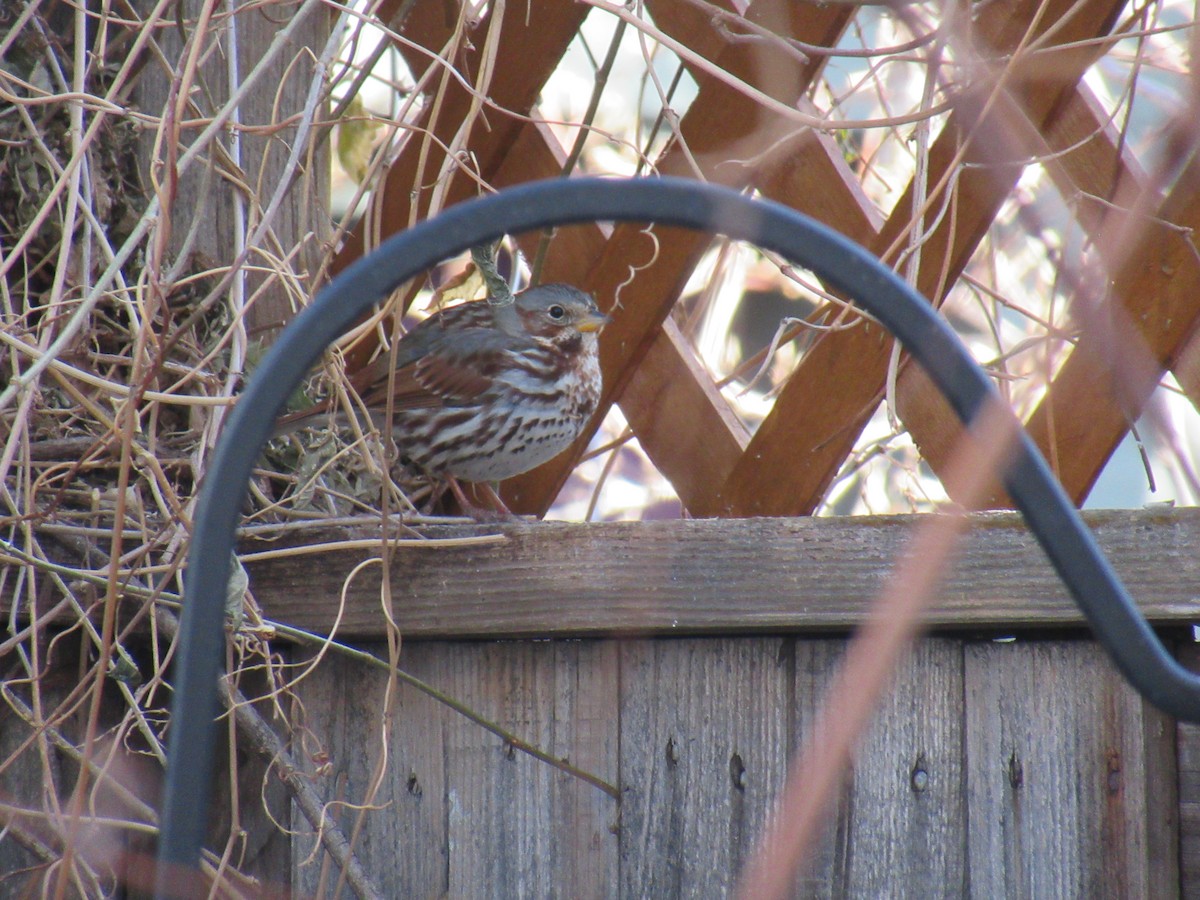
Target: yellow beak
[{"x": 593, "y": 322}]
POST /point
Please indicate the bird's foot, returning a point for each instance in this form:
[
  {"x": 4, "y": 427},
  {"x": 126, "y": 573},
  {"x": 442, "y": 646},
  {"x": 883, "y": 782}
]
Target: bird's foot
[{"x": 492, "y": 510}]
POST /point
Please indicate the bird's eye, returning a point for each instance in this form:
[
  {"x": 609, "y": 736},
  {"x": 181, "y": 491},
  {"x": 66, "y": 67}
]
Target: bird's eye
[{"x": 556, "y": 312}]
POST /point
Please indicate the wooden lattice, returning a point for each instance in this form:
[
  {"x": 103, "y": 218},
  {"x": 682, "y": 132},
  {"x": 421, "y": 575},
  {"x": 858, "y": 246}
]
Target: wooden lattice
[{"x": 1023, "y": 101}]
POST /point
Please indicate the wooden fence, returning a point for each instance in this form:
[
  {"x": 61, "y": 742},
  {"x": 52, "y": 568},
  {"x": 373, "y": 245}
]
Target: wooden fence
[
  {"x": 1010, "y": 759},
  {"x": 995, "y": 769}
]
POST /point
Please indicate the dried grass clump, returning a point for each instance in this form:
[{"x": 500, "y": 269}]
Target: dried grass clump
[{"x": 127, "y": 315}]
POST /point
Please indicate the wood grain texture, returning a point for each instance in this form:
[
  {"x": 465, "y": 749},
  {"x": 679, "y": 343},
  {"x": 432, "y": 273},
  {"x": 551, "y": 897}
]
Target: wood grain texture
[
  {"x": 704, "y": 746},
  {"x": 265, "y": 853},
  {"x": 799, "y": 446},
  {"x": 900, "y": 825},
  {"x": 268, "y": 117},
  {"x": 904, "y": 814},
  {"x": 816, "y": 180},
  {"x": 720, "y": 576},
  {"x": 1188, "y": 747},
  {"x": 1070, "y": 777},
  {"x": 991, "y": 769},
  {"x": 29, "y": 778},
  {"x": 458, "y": 813},
  {"x": 1155, "y": 279}
]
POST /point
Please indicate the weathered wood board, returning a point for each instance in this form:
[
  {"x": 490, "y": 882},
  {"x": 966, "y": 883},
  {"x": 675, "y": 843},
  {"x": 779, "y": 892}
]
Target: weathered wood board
[
  {"x": 1024, "y": 768},
  {"x": 1071, "y": 783},
  {"x": 715, "y": 576},
  {"x": 458, "y": 810}
]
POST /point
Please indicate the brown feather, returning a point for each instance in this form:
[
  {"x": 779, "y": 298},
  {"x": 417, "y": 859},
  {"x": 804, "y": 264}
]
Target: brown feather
[{"x": 482, "y": 392}]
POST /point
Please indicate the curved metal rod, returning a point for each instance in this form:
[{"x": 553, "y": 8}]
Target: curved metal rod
[{"x": 837, "y": 261}]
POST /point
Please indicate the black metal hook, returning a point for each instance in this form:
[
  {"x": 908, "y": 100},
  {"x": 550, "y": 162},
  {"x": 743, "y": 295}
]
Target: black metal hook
[{"x": 837, "y": 261}]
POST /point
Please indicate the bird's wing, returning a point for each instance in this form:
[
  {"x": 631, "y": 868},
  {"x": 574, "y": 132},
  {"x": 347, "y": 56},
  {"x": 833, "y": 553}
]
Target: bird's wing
[
  {"x": 447, "y": 360},
  {"x": 443, "y": 372}
]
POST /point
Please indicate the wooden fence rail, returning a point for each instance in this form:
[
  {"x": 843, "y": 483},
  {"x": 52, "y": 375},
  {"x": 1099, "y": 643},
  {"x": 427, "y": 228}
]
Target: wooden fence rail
[{"x": 711, "y": 576}]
